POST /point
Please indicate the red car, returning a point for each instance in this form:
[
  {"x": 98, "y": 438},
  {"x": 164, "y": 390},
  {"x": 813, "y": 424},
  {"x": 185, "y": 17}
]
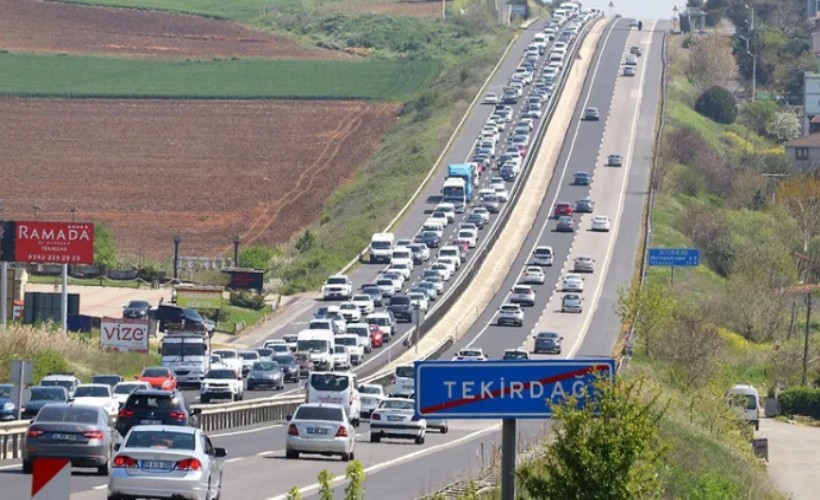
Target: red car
[
  {"x": 562, "y": 208},
  {"x": 376, "y": 336},
  {"x": 159, "y": 378}
]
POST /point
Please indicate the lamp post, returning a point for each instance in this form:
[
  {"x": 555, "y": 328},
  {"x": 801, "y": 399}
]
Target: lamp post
[
  {"x": 674, "y": 19},
  {"x": 752, "y": 21},
  {"x": 611, "y": 6},
  {"x": 754, "y": 74},
  {"x": 236, "y": 241},
  {"x": 177, "y": 239}
]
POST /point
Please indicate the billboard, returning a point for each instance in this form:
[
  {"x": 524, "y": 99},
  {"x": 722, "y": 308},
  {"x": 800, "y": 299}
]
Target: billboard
[
  {"x": 199, "y": 298},
  {"x": 42, "y": 242},
  {"x": 120, "y": 334},
  {"x": 246, "y": 280}
]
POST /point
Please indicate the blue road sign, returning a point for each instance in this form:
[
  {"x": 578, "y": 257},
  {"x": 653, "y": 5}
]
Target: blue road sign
[
  {"x": 674, "y": 257},
  {"x": 503, "y": 389}
]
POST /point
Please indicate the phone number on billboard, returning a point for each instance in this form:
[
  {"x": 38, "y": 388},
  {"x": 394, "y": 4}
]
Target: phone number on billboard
[{"x": 61, "y": 259}]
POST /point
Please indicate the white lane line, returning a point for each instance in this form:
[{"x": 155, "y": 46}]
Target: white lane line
[
  {"x": 560, "y": 180},
  {"x": 246, "y": 431},
  {"x": 235, "y": 459},
  {"x": 401, "y": 459},
  {"x": 12, "y": 466},
  {"x": 100, "y": 487}
]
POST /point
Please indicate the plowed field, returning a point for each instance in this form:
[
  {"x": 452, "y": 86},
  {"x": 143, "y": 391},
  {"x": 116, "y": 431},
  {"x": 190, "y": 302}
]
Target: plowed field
[
  {"x": 30, "y": 25},
  {"x": 205, "y": 169}
]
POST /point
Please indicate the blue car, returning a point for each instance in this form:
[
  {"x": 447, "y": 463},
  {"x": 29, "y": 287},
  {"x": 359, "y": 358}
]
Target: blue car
[
  {"x": 508, "y": 173},
  {"x": 431, "y": 239},
  {"x": 582, "y": 179},
  {"x": 8, "y": 411}
]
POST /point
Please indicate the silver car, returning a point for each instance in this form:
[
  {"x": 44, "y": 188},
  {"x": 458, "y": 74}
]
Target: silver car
[
  {"x": 572, "y": 302},
  {"x": 166, "y": 461},
  {"x": 395, "y": 418},
  {"x": 323, "y": 429}
]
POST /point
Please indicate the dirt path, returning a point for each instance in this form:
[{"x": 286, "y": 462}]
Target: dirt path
[{"x": 794, "y": 457}]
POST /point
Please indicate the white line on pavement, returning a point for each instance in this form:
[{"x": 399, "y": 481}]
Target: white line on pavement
[{"x": 246, "y": 431}]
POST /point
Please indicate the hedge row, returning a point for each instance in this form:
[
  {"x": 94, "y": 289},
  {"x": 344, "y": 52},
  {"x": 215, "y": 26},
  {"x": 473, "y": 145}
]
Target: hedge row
[{"x": 800, "y": 401}]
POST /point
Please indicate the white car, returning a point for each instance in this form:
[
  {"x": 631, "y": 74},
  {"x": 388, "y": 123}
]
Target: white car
[
  {"x": 99, "y": 395},
  {"x": 395, "y": 418},
  {"x": 523, "y": 295},
  {"x": 321, "y": 428},
  {"x": 364, "y": 302},
  {"x": 600, "y": 223},
  {"x": 230, "y": 358},
  {"x": 584, "y": 264},
  {"x": 337, "y": 287},
  {"x": 543, "y": 256},
  {"x": 497, "y": 183},
  {"x": 400, "y": 268},
  {"x": 248, "y": 358},
  {"x": 572, "y": 302},
  {"x": 470, "y": 354},
  {"x": 216, "y": 361},
  {"x": 170, "y": 460},
  {"x": 221, "y": 383},
  {"x": 470, "y": 236},
  {"x": 491, "y": 98},
  {"x": 291, "y": 340},
  {"x": 385, "y": 323},
  {"x": 419, "y": 300},
  {"x": 533, "y": 276},
  {"x": 124, "y": 389},
  {"x": 354, "y": 346},
  {"x": 341, "y": 357},
  {"x": 510, "y": 314},
  {"x": 572, "y": 283},
  {"x": 350, "y": 311},
  {"x": 483, "y": 212},
  {"x": 445, "y": 269},
  {"x": 502, "y": 194},
  {"x": 371, "y": 395},
  {"x": 268, "y": 344}
]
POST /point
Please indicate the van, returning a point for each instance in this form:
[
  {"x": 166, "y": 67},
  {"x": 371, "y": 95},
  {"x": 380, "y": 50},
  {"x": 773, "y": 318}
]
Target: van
[
  {"x": 381, "y": 246},
  {"x": 556, "y": 56},
  {"x": 362, "y": 331},
  {"x": 746, "y": 400},
  {"x": 403, "y": 382},
  {"x": 435, "y": 225},
  {"x": 188, "y": 356},
  {"x": 336, "y": 388},
  {"x": 319, "y": 343},
  {"x": 402, "y": 255}
]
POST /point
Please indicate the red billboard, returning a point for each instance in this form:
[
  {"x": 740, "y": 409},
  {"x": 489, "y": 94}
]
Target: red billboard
[{"x": 41, "y": 242}]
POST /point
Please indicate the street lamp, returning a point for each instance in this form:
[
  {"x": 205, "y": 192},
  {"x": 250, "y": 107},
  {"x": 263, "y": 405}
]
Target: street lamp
[
  {"x": 611, "y": 6},
  {"x": 752, "y": 22},
  {"x": 754, "y": 74},
  {"x": 236, "y": 250},
  {"x": 177, "y": 239},
  {"x": 674, "y": 19}
]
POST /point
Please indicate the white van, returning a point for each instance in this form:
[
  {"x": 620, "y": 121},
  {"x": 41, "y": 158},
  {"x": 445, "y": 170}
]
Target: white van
[
  {"x": 402, "y": 255},
  {"x": 336, "y": 388},
  {"x": 381, "y": 246},
  {"x": 745, "y": 398},
  {"x": 403, "y": 381},
  {"x": 319, "y": 343},
  {"x": 435, "y": 225},
  {"x": 362, "y": 331}
]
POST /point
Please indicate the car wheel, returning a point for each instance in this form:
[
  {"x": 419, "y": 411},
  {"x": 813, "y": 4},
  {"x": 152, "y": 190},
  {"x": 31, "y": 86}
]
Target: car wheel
[
  {"x": 356, "y": 422},
  {"x": 291, "y": 454},
  {"x": 445, "y": 429},
  {"x": 346, "y": 457},
  {"x": 419, "y": 439},
  {"x": 27, "y": 467},
  {"x": 102, "y": 470},
  {"x": 375, "y": 438}
]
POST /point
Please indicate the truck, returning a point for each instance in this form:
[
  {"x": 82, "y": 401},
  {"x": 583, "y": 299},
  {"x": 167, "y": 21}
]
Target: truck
[
  {"x": 459, "y": 184},
  {"x": 319, "y": 343},
  {"x": 188, "y": 355}
]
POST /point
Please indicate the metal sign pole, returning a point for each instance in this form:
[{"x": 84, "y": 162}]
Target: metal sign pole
[
  {"x": 20, "y": 388},
  {"x": 64, "y": 300},
  {"x": 4, "y": 294},
  {"x": 508, "y": 459}
]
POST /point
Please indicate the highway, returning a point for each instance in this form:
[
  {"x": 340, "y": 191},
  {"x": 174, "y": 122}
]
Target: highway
[{"x": 256, "y": 468}]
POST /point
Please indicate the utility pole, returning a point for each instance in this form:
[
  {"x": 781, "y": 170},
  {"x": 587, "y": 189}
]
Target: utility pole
[
  {"x": 417, "y": 319},
  {"x": 793, "y": 319},
  {"x": 773, "y": 180},
  {"x": 611, "y": 6},
  {"x": 804, "y": 379}
]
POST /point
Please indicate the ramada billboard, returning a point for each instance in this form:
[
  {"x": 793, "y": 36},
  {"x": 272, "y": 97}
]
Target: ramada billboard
[{"x": 41, "y": 242}]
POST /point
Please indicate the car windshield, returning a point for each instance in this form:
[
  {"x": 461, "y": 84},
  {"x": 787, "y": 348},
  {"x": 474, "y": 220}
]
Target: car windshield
[
  {"x": 319, "y": 413},
  {"x": 265, "y": 352},
  {"x": 313, "y": 345},
  {"x": 290, "y": 337},
  {"x": 284, "y": 359},
  {"x": 380, "y": 245},
  {"x": 470, "y": 353},
  {"x": 226, "y": 354},
  {"x": 405, "y": 372},
  {"x": 155, "y": 372},
  {"x": 346, "y": 341},
  {"x": 92, "y": 392},
  {"x": 509, "y": 309},
  {"x": 329, "y": 382},
  {"x": 138, "y": 304},
  {"x": 340, "y": 349},
  {"x": 126, "y": 388},
  {"x": 221, "y": 374},
  {"x": 5, "y": 391},
  {"x": 547, "y": 335},
  {"x": 153, "y": 402},
  {"x": 193, "y": 348},
  {"x": 67, "y": 384},
  {"x": 106, "y": 379},
  {"x": 249, "y": 355},
  {"x": 349, "y": 306},
  {"x": 515, "y": 355},
  {"x": 161, "y": 439},
  {"x": 337, "y": 281},
  {"x": 370, "y": 389},
  {"x": 47, "y": 394},
  {"x": 68, "y": 414},
  {"x": 378, "y": 321},
  {"x": 397, "y": 404}
]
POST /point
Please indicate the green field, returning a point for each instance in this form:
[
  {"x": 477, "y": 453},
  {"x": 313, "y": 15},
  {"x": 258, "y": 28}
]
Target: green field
[
  {"x": 234, "y": 9},
  {"x": 29, "y": 75}
]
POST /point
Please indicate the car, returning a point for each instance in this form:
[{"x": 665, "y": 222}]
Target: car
[
  {"x": 156, "y": 407},
  {"x": 376, "y": 295},
  {"x": 628, "y": 71},
  {"x": 78, "y": 432},
  {"x": 97, "y": 395},
  {"x": 445, "y": 270},
  {"x": 351, "y": 311},
  {"x": 631, "y": 60},
  {"x": 470, "y": 354},
  {"x": 250, "y": 357},
  {"x": 384, "y": 321},
  {"x": 39, "y": 397},
  {"x": 110, "y": 379},
  {"x": 429, "y": 294},
  {"x": 565, "y": 224},
  {"x": 172, "y": 317},
  {"x": 584, "y": 264},
  {"x": 231, "y": 359},
  {"x": 491, "y": 98},
  {"x": 222, "y": 383},
  {"x": 266, "y": 374},
  {"x": 419, "y": 300},
  {"x": 65, "y": 380},
  {"x": 305, "y": 363},
  {"x": 400, "y": 308},
  {"x": 633, "y": 23},
  {"x": 582, "y": 179},
  {"x": 395, "y": 418},
  {"x": 572, "y": 302},
  {"x": 431, "y": 239},
  {"x": 502, "y": 194},
  {"x": 355, "y": 349},
  {"x": 420, "y": 252},
  {"x": 584, "y": 206},
  {"x": 523, "y": 295},
  {"x": 159, "y": 377},
  {"x": 515, "y": 355},
  {"x": 328, "y": 323},
  {"x": 600, "y": 223},
  {"x": 338, "y": 287},
  {"x": 592, "y": 114},
  {"x": 404, "y": 269},
  {"x": 435, "y": 279},
  {"x": 431, "y": 288},
  {"x": 614, "y": 160},
  {"x": 572, "y": 283},
  {"x": 491, "y": 202},
  {"x": 443, "y": 217},
  {"x": 547, "y": 342},
  {"x": 136, "y": 309},
  {"x": 8, "y": 410},
  {"x": 289, "y": 366},
  {"x": 371, "y": 395},
  {"x": 124, "y": 389},
  {"x": 483, "y": 212},
  {"x": 562, "y": 208},
  {"x": 543, "y": 256},
  {"x": 265, "y": 353},
  {"x": 533, "y": 276},
  {"x": 510, "y": 314},
  {"x": 341, "y": 358},
  {"x": 470, "y": 236},
  {"x": 636, "y": 50},
  {"x": 290, "y": 340},
  {"x": 320, "y": 428}
]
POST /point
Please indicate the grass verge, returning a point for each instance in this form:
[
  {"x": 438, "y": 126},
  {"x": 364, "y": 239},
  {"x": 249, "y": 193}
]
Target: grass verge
[
  {"x": 234, "y": 315},
  {"x": 57, "y": 281}
]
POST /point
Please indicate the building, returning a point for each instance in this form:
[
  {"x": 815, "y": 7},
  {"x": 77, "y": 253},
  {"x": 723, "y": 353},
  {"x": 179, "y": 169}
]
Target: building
[{"x": 804, "y": 152}]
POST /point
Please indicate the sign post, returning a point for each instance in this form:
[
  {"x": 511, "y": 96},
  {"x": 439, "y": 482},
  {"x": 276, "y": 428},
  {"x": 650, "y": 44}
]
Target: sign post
[
  {"x": 64, "y": 300},
  {"x": 674, "y": 257},
  {"x": 506, "y": 390},
  {"x": 21, "y": 375},
  {"x": 4, "y": 293}
]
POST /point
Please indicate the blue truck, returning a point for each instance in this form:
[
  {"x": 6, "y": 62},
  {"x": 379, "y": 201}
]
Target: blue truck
[{"x": 457, "y": 192}]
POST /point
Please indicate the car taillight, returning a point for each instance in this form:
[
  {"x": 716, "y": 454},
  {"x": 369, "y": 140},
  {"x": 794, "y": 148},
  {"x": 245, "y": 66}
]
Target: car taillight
[
  {"x": 124, "y": 462},
  {"x": 375, "y": 416},
  {"x": 188, "y": 464},
  {"x": 93, "y": 434},
  {"x": 177, "y": 415},
  {"x": 292, "y": 430},
  {"x": 342, "y": 432},
  {"x": 125, "y": 413},
  {"x": 33, "y": 433}
]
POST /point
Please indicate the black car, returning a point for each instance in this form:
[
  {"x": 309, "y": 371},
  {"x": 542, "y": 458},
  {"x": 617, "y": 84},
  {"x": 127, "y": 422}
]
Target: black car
[
  {"x": 476, "y": 219},
  {"x": 7, "y": 409},
  {"x": 177, "y": 318},
  {"x": 375, "y": 294},
  {"x": 156, "y": 407},
  {"x": 40, "y": 396},
  {"x": 109, "y": 379},
  {"x": 401, "y": 308},
  {"x": 431, "y": 239},
  {"x": 289, "y": 366},
  {"x": 136, "y": 309}
]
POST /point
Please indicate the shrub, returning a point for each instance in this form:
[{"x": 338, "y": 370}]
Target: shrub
[
  {"x": 800, "y": 401},
  {"x": 717, "y": 104},
  {"x": 248, "y": 300},
  {"x": 757, "y": 115},
  {"x": 255, "y": 257}
]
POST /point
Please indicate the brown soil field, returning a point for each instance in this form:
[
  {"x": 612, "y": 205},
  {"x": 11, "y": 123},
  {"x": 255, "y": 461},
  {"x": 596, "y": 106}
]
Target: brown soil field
[
  {"x": 37, "y": 26},
  {"x": 414, "y": 8},
  {"x": 205, "y": 169}
]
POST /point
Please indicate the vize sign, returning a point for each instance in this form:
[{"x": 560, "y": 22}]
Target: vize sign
[
  {"x": 120, "y": 334},
  {"x": 45, "y": 242},
  {"x": 503, "y": 389}
]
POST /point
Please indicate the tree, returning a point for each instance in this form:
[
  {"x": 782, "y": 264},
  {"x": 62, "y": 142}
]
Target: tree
[
  {"x": 649, "y": 311},
  {"x": 294, "y": 493},
  {"x": 305, "y": 242},
  {"x": 255, "y": 257},
  {"x": 710, "y": 62},
  {"x": 105, "y": 248},
  {"x": 717, "y": 104},
  {"x": 784, "y": 126},
  {"x": 757, "y": 115},
  {"x": 609, "y": 449},
  {"x": 800, "y": 196}
]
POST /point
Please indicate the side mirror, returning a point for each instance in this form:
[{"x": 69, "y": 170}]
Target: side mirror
[
  {"x": 197, "y": 411},
  {"x": 288, "y": 417},
  {"x": 220, "y": 452}
]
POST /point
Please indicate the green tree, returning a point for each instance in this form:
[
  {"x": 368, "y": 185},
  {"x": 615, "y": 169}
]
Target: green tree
[
  {"x": 305, "y": 242},
  {"x": 609, "y": 449},
  {"x": 325, "y": 485},
  {"x": 255, "y": 257},
  {"x": 105, "y": 249},
  {"x": 649, "y": 311},
  {"x": 757, "y": 115},
  {"x": 717, "y": 104},
  {"x": 355, "y": 475}
]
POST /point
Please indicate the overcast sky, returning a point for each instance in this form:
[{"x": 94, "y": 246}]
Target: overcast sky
[{"x": 642, "y": 9}]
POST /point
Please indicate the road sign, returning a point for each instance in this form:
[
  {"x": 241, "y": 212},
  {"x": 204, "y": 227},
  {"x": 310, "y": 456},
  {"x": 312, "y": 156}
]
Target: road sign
[
  {"x": 503, "y": 389},
  {"x": 51, "y": 479},
  {"x": 674, "y": 257}
]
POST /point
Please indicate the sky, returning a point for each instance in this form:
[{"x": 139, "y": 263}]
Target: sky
[{"x": 641, "y": 9}]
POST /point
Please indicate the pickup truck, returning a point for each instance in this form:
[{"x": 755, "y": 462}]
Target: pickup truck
[{"x": 337, "y": 287}]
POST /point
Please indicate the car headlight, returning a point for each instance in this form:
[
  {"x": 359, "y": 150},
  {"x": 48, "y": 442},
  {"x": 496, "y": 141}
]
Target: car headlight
[{"x": 8, "y": 406}]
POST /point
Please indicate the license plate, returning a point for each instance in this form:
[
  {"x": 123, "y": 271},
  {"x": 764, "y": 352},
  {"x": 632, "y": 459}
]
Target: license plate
[
  {"x": 394, "y": 418},
  {"x": 64, "y": 437},
  {"x": 156, "y": 464},
  {"x": 151, "y": 422},
  {"x": 316, "y": 430}
]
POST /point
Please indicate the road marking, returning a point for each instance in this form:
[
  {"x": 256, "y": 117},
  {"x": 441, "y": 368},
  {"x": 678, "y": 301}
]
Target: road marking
[
  {"x": 401, "y": 459},
  {"x": 235, "y": 459},
  {"x": 12, "y": 466},
  {"x": 246, "y": 431},
  {"x": 100, "y": 487}
]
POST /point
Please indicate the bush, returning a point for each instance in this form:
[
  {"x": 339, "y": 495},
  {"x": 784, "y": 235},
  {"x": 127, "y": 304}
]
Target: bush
[
  {"x": 758, "y": 114},
  {"x": 717, "y": 104},
  {"x": 800, "y": 401},
  {"x": 248, "y": 300},
  {"x": 255, "y": 257}
]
